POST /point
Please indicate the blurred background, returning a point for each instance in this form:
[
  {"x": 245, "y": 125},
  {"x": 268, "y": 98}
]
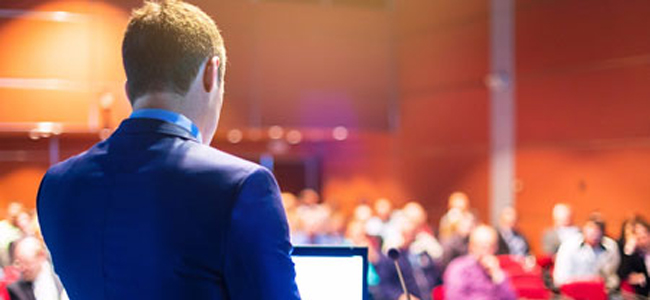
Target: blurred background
[{"x": 408, "y": 100}]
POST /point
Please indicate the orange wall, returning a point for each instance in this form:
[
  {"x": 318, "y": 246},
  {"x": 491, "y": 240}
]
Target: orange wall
[
  {"x": 443, "y": 134},
  {"x": 83, "y": 54},
  {"x": 582, "y": 110}
]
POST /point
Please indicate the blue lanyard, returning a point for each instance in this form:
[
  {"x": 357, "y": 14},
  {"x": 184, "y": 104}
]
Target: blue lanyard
[{"x": 168, "y": 116}]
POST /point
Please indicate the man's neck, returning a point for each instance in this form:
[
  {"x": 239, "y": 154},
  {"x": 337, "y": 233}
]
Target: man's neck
[
  {"x": 171, "y": 102},
  {"x": 166, "y": 101}
]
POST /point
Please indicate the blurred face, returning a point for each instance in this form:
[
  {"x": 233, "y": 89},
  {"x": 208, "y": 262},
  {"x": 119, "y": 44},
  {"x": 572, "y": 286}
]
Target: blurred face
[
  {"x": 459, "y": 201},
  {"x": 562, "y": 215},
  {"x": 415, "y": 212},
  {"x": 13, "y": 211},
  {"x": 356, "y": 233},
  {"x": 466, "y": 224},
  {"x": 592, "y": 234},
  {"x": 483, "y": 242},
  {"x": 309, "y": 197},
  {"x": 288, "y": 200},
  {"x": 508, "y": 218},
  {"x": 642, "y": 237},
  {"x": 383, "y": 208},
  {"x": 24, "y": 222},
  {"x": 362, "y": 213},
  {"x": 408, "y": 233},
  {"x": 628, "y": 230},
  {"x": 29, "y": 259}
]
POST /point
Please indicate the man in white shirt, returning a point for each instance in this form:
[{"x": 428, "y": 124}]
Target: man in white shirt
[{"x": 590, "y": 256}]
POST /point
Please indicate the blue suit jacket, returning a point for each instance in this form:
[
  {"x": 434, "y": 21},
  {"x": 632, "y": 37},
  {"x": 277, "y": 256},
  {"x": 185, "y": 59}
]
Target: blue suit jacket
[{"x": 150, "y": 213}]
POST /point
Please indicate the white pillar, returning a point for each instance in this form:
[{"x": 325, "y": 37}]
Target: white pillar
[{"x": 501, "y": 83}]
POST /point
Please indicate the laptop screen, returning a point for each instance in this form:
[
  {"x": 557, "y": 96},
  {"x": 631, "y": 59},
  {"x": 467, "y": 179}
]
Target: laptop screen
[{"x": 331, "y": 272}]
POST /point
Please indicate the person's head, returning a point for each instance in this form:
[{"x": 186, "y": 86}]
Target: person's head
[
  {"x": 408, "y": 231},
  {"x": 25, "y": 224},
  {"x": 642, "y": 234},
  {"x": 29, "y": 255},
  {"x": 415, "y": 212},
  {"x": 562, "y": 215},
  {"x": 508, "y": 218},
  {"x": 458, "y": 200},
  {"x": 593, "y": 230},
  {"x": 627, "y": 229},
  {"x": 173, "y": 48},
  {"x": 288, "y": 201},
  {"x": 483, "y": 241},
  {"x": 362, "y": 213},
  {"x": 466, "y": 224},
  {"x": 14, "y": 209},
  {"x": 383, "y": 208},
  {"x": 309, "y": 197}
]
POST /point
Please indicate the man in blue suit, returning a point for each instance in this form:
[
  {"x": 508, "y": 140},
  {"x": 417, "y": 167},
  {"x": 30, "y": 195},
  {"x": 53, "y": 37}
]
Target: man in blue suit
[{"x": 153, "y": 212}]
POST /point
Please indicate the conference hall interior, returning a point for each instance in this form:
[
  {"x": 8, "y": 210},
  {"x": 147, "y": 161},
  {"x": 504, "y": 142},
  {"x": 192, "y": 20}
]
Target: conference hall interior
[{"x": 427, "y": 127}]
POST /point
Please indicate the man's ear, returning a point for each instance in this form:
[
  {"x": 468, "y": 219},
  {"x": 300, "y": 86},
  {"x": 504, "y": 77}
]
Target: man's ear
[{"x": 210, "y": 74}]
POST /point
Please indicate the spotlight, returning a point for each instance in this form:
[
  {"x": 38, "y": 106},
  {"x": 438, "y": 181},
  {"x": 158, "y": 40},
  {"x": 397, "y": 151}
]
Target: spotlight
[
  {"x": 235, "y": 136},
  {"x": 294, "y": 137},
  {"x": 340, "y": 133},
  {"x": 276, "y": 132}
]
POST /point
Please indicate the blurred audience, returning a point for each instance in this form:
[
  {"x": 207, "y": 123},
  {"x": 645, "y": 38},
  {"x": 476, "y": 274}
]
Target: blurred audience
[
  {"x": 37, "y": 281},
  {"x": 466, "y": 253},
  {"x": 478, "y": 275},
  {"x": 590, "y": 256},
  {"x": 635, "y": 259},
  {"x": 563, "y": 229},
  {"x": 10, "y": 230},
  {"x": 463, "y": 252},
  {"x": 312, "y": 219},
  {"x": 511, "y": 241}
]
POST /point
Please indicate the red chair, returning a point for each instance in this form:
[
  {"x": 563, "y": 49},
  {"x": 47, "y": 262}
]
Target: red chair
[
  {"x": 511, "y": 265},
  {"x": 12, "y": 274},
  {"x": 585, "y": 290},
  {"x": 626, "y": 287},
  {"x": 4, "y": 294},
  {"x": 438, "y": 293},
  {"x": 545, "y": 261},
  {"x": 527, "y": 282},
  {"x": 530, "y": 286}
]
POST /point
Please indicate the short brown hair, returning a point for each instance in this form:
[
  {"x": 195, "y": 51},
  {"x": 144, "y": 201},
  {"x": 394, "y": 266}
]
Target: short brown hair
[{"x": 165, "y": 45}]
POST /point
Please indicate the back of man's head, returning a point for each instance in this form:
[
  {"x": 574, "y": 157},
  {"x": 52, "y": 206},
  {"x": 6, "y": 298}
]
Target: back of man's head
[{"x": 165, "y": 45}]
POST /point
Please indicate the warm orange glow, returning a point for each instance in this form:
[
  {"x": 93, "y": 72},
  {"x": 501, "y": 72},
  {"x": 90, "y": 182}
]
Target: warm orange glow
[{"x": 56, "y": 67}]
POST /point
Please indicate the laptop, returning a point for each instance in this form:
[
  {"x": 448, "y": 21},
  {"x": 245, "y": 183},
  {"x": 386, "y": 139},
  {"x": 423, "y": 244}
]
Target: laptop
[{"x": 326, "y": 273}]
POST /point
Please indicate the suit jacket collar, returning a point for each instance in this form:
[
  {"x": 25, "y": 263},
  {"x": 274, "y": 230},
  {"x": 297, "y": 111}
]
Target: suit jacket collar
[{"x": 143, "y": 125}]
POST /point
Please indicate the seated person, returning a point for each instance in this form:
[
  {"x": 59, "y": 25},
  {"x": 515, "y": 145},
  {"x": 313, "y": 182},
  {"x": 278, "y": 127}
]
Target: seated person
[
  {"x": 635, "y": 262},
  {"x": 478, "y": 275},
  {"x": 511, "y": 241},
  {"x": 37, "y": 280},
  {"x": 455, "y": 245},
  {"x": 563, "y": 229},
  {"x": 458, "y": 204},
  {"x": 591, "y": 256},
  {"x": 420, "y": 272}
]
